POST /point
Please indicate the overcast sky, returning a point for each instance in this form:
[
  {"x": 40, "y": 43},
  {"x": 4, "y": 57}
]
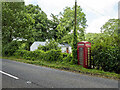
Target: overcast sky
[{"x": 97, "y": 11}]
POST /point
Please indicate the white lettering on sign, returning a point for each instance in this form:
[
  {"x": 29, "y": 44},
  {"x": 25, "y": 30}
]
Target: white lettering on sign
[
  {"x": 80, "y": 44},
  {"x": 87, "y": 44}
]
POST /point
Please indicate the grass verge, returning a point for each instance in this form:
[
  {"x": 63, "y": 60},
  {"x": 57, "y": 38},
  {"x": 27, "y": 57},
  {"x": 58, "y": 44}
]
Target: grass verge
[{"x": 69, "y": 67}]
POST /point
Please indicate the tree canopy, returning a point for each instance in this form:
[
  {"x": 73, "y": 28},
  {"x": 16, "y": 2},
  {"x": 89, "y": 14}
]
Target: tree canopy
[
  {"x": 105, "y": 47},
  {"x": 66, "y": 24},
  {"x": 16, "y": 23},
  {"x": 41, "y": 22}
]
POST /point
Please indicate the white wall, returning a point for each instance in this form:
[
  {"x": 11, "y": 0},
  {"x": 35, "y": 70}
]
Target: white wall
[
  {"x": 70, "y": 49},
  {"x": 33, "y": 47},
  {"x": 63, "y": 49}
]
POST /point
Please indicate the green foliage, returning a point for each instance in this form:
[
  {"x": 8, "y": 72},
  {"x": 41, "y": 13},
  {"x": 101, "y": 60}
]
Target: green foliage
[
  {"x": 41, "y": 24},
  {"x": 8, "y": 18},
  {"x": 92, "y": 37},
  {"x": 23, "y": 46},
  {"x": 49, "y": 45},
  {"x": 53, "y": 55},
  {"x": 50, "y": 56},
  {"x": 31, "y": 23},
  {"x": 16, "y": 23},
  {"x": 66, "y": 26},
  {"x": 106, "y": 58},
  {"x": 67, "y": 39},
  {"x": 65, "y": 54},
  {"x": 105, "y": 48},
  {"x": 111, "y": 27},
  {"x": 30, "y": 55},
  {"x": 10, "y": 48},
  {"x": 53, "y": 31},
  {"x": 74, "y": 54},
  {"x": 67, "y": 58},
  {"x": 66, "y": 23}
]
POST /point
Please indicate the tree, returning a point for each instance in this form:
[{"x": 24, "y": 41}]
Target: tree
[
  {"x": 16, "y": 22},
  {"x": 67, "y": 22},
  {"x": 92, "y": 37},
  {"x": 66, "y": 26},
  {"x": 106, "y": 50},
  {"x": 111, "y": 27},
  {"x": 9, "y": 10},
  {"x": 41, "y": 25},
  {"x": 53, "y": 31},
  {"x": 67, "y": 39}
]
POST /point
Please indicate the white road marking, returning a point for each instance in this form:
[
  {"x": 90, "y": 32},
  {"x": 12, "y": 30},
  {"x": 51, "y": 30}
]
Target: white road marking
[
  {"x": 28, "y": 82},
  {"x": 9, "y": 75}
]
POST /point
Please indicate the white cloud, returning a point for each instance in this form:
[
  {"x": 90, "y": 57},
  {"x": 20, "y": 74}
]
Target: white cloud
[
  {"x": 97, "y": 24},
  {"x": 54, "y": 6},
  {"x": 101, "y": 6},
  {"x": 28, "y": 2},
  {"x": 102, "y": 11}
]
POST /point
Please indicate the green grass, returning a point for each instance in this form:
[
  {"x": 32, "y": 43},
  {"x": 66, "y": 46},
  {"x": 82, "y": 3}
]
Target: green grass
[{"x": 69, "y": 67}]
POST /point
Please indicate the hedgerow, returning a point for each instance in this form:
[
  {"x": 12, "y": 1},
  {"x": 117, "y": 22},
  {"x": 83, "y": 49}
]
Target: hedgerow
[
  {"x": 51, "y": 55},
  {"x": 10, "y": 48},
  {"x": 106, "y": 54}
]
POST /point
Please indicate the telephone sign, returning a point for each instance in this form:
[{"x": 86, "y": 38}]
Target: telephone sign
[{"x": 84, "y": 54}]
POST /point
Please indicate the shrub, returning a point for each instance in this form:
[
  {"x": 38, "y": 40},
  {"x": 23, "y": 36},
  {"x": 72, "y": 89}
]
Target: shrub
[
  {"x": 20, "y": 53},
  {"x": 65, "y": 54},
  {"x": 106, "y": 57},
  {"x": 39, "y": 54},
  {"x": 67, "y": 58},
  {"x": 30, "y": 55},
  {"x": 10, "y": 48},
  {"x": 23, "y": 46},
  {"x": 53, "y": 55}
]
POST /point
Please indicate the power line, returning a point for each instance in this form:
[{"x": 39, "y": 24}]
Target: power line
[{"x": 93, "y": 9}]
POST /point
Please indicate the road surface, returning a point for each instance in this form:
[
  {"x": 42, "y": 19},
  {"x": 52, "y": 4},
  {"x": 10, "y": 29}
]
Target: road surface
[{"x": 21, "y": 75}]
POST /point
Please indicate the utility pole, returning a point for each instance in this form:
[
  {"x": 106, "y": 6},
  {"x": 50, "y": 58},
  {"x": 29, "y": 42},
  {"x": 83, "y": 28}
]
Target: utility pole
[
  {"x": 119, "y": 25},
  {"x": 119, "y": 18},
  {"x": 74, "y": 47},
  {"x": 75, "y": 13}
]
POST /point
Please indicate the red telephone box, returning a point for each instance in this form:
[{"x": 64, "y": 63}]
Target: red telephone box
[{"x": 84, "y": 54}]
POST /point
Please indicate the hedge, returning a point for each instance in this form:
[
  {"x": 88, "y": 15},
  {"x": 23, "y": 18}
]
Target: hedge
[
  {"x": 51, "y": 55},
  {"x": 107, "y": 59},
  {"x": 30, "y": 55},
  {"x": 10, "y": 48}
]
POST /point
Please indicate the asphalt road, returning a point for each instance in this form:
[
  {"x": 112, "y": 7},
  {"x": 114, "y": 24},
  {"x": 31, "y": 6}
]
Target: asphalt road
[{"x": 21, "y": 75}]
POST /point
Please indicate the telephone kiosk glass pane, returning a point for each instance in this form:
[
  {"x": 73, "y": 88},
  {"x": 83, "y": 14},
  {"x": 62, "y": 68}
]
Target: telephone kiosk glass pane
[{"x": 81, "y": 56}]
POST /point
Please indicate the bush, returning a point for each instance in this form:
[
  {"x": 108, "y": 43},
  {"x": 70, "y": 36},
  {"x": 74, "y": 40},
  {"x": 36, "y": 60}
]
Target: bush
[
  {"x": 105, "y": 56},
  {"x": 67, "y": 58},
  {"x": 24, "y": 46},
  {"x": 39, "y": 54},
  {"x": 53, "y": 55},
  {"x": 30, "y": 55},
  {"x": 65, "y": 54},
  {"x": 10, "y": 48}
]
